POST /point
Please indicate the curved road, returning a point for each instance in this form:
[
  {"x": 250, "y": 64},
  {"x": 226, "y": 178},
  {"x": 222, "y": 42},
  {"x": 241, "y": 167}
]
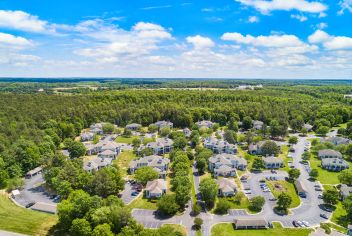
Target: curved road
[{"x": 309, "y": 210}]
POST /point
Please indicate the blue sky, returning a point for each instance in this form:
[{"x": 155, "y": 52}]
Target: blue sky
[{"x": 204, "y": 38}]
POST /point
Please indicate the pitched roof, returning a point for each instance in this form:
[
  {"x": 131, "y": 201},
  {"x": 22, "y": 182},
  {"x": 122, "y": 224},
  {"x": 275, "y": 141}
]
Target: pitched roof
[
  {"x": 300, "y": 186},
  {"x": 156, "y": 186},
  {"x": 334, "y": 162},
  {"x": 250, "y": 222},
  {"x": 329, "y": 152},
  {"x": 271, "y": 159},
  {"x": 226, "y": 185}
]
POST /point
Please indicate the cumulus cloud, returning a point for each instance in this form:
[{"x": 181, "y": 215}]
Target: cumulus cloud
[
  {"x": 11, "y": 40},
  {"x": 253, "y": 19},
  {"x": 266, "y": 6},
  {"x": 301, "y": 18},
  {"x": 23, "y": 21},
  {"x": 330, "y": 42},
  {"x": 200, "y": 42},
  {"x": 264, "y": 41},
  {"x": 346, "y": 5}
]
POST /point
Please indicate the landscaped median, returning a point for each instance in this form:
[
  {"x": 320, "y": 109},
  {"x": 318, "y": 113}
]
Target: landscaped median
[
  {"x": 17, "y": 219},
  {"x": 281, "y": 186},
  {"x": 227, "y": 229}
]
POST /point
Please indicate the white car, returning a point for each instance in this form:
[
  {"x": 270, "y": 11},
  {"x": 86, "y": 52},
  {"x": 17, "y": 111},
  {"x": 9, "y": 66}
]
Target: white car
[
  {"x": 305, "y": 223},
  {"x": 300, "y": 223}
]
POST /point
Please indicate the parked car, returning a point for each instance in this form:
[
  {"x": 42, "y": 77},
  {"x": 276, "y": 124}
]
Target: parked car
[
  {"x": 273, "y": 171},
  {"x": 327, "y": 209},
  {"x": 295, "y": 224},
  {"x": 320, "y": 196},
  {"x": 300, "y": 223},
  {"x": 324, "y": 216},
  {"x": 272, "y": 199},
  {"x": 30, "y": 204},
  {"x": 305, "y": 223},
  {"x": 134, "y": 193}
]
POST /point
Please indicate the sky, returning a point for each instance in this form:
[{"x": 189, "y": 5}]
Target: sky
[{"x": 278, "y": 39}]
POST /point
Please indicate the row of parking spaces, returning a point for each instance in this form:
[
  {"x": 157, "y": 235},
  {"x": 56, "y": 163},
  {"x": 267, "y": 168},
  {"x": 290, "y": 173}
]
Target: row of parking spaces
[
  {"x": 151, "y": 225},
  {"x": 141, "y": 212},
  {"x": 312, "y": 222},
  {"x": 237, "y": 212}
]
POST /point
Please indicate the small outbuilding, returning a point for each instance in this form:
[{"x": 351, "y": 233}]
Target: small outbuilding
[{"x": 251, "y": 223}]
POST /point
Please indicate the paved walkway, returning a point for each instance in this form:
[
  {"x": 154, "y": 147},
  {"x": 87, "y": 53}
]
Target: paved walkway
[{"x": 309, "y": 210}]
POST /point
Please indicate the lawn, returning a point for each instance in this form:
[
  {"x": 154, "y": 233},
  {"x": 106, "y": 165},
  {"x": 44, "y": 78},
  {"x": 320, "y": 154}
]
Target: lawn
[
  {"x": 227, "y": 229},
  {"x": 194, "y": 199},
  {"x": 25, "y": 221},
  {"x": 143, "y": 203},
  {"x": 325, "y": 177},
  {"x": 122, "y": 139},
  {"x": 123, "y": 160},
  {"x": 285, "y": 187},
  {"x": 179, "y": 228},
  {"x": 284, "y": 157},
  {"x": 339, "y": 216}
]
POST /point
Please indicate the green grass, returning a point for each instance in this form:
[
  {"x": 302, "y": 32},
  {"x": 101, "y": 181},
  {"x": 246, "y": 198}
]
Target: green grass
[
  {"x": 177, "y": 227},
  {"x": 122, "y": 139},
  {"x": 336, "y": 227},
  {"x": 284, "y": 157},
  {"x": 143, "y": 203},
  {"x": 287, "y": 188},
  {"x": 199, "y": 232},
  {"x": 194, "y": 199},
  {"x": 339, "y": 216},
  {"x": 227, "y": 229},
  {"x": 123, "y": 160},
  {"x": 325, "y": 177},
  {"x": 25, "y": 221}
]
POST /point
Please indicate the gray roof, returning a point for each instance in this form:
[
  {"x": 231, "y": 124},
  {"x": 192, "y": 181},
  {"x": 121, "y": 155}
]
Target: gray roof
[
  {"x": 95, "y": 163},
  {"x": 205, "y": 123},
  {"x": 300, "y": 186},
  {"x": 226, "y": 185},
  {"x": 156, "y": 186},
  {"x": 227, "y": 159},
  {"x": 338, "y": 140},
  {"x": 160, "y": 142},
  {"x": 330, "y": 153},
  {"x": 251, "y": 222},
  {"x": 153, "y": 161},
  {"x": 164, "y": 123},
  {"x": 218, "y": 143},
  {"x": 255, "y": 146},
  {"x": 133, "y": 125},
  {"x": 272, "y": 160},
  {"x": 345, "y": 190},
  {"x": 334, "y": 162}
]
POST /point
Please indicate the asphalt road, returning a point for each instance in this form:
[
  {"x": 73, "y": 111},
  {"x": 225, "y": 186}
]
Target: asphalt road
[{"x": 309, "y": 210}]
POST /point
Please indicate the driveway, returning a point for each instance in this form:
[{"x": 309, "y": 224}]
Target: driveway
[
  {"x": 126, "y": 196},
  {"x": 34, "y": 191}
]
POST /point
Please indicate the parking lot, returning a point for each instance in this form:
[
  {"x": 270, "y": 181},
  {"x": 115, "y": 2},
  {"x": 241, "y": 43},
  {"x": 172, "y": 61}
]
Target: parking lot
[
  {"x": 33, "y": 191},
  {"x": 126, "y": 194}
]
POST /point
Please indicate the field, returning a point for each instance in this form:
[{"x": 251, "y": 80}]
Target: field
[
  {"x": 227, "y": 229},
  {"x": 123, "y": 160},
  {"x": 21, "y": 220},
  {"x": 143, "y": 203},
  {"x": 340, "y": 215},
  {"x": 122, "y": 139},
  {"x": 285, "y": 187}
]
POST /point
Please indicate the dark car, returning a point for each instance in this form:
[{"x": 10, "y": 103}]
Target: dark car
[
  {"x": 295, "y": 224},
  {"x": 30, "y": 204},
  {"x": 327, "y": 209},
  {"x": 324, "y": 216},
  {"x": 134, "y": 193}
]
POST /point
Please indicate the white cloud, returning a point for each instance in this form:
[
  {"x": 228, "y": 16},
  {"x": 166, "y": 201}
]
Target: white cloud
[
  {"x": 264, "y": 41},
  {"x": 330, "y": 42},
  {"x": 20, "y": 20},
  {"x": 346, "y": 5},
  {"x": 322, "y": 25},
  {"x": 253, "y": 19},
  {"x": 11, "y": 40},
  {"x": 301, "y": 18},
  {"x": 266, "y": 6},
  {"x": 200, "y": 42}
]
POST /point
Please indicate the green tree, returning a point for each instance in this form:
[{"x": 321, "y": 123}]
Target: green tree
[
  {"x": 331, "y": 196},
  {"x": 293, "y": 140},
  {"x": 80, "y": 227},
  {"x": 270, "y": 148},
  {"x": 107, "y": 181},
  {"x": 183, "y": 195},
  {"x": 108, "y": 128},
  {"x": 167, "y": 204},
  {"x": 145, "y": 174},
  {"x": 222, "y": 206},
  {"x": 345, "y": 177},
  {"x": 293, "y": 174},
  {"x": 257, "y": 203},
  {"x": 284, "y": 201},
  {"x": 208, "y": 189},
  {"x": 165, "y": 131},
  {"x": 247, "y": 122},
  {"x": 102, "y": 230},
  {"x": 230, "y": 136},
  {"x": 180, "y": 142},
  {"x": 314, "y": 173},
  {"x": 347, "y": 204},
  {"x": 198, "y": 222},
  {"x": 152, "y": 128},
  {"x": 322, "y": 130},
  {"x": 201, "y": 165},
  {"x": 297, "y": 124},
  {"x": 258, "y": 164},
  {"x": 136, "y": 142},
  {"x": 76, "y": 149}
]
